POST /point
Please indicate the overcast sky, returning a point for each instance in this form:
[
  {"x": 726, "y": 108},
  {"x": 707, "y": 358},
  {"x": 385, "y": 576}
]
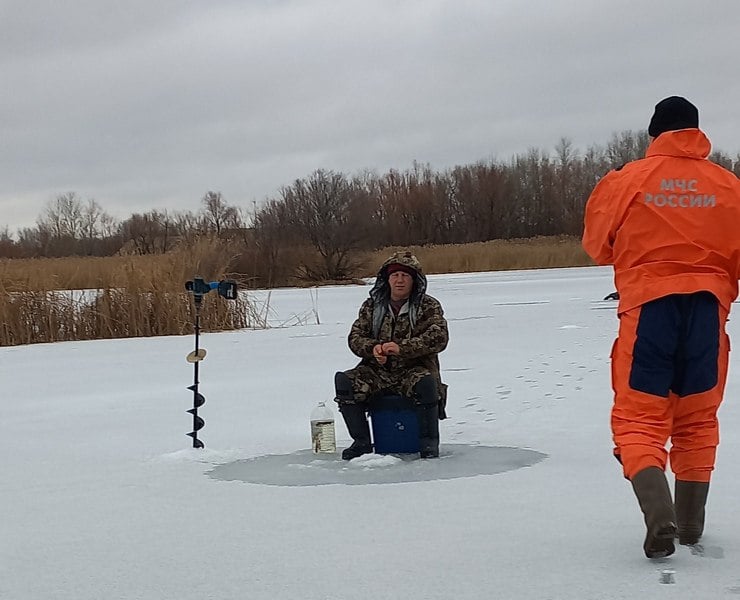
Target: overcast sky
[{"x": 148, "y": 104}]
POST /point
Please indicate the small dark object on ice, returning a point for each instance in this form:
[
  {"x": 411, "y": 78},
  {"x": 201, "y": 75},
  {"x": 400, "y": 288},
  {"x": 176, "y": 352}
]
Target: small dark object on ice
[{"x": 612, "y": 296}]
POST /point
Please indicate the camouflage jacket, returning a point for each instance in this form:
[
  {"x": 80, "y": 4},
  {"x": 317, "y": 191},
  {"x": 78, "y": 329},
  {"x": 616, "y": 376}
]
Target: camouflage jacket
[{"x": 420, "y": 329}]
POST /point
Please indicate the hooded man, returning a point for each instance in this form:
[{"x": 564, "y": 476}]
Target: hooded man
[
  {"x": 398, "y": 334},
  {"x": 670, "y": 225}
]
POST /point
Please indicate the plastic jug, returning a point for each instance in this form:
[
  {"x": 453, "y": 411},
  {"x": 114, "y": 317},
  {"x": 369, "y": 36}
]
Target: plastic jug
[{"x": 323, "y": 437}]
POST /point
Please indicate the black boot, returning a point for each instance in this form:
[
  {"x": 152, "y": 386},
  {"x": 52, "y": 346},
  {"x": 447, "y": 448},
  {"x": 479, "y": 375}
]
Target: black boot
[
  {"x": 354, "y": 418},
  {"x": 356, "y": 421},
  {"x": 428, "y": 415},
  {"x": 654, "y": 496},
  {"x": 691, "y": 497},
  {"x": 427, "y": 411}
]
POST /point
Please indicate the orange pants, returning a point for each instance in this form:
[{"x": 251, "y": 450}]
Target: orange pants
[{"x": 669, "y": 368}]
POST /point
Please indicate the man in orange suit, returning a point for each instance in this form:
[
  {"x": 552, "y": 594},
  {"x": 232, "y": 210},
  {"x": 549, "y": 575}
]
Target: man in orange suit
[{"x": 670, "y": 225}]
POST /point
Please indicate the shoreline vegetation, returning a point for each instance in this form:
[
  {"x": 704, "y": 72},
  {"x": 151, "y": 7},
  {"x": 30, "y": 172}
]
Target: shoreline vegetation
[{"x": 83, "y": 298}]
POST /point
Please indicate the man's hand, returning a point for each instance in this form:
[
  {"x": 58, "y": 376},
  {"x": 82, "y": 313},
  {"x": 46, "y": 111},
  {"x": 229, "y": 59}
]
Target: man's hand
[
  {"x": 379, "y": 354},
  {"x": 391, "y": 349}
]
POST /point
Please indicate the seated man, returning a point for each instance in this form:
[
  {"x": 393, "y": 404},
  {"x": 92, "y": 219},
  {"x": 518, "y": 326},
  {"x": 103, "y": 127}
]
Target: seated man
[{"x": 398, "y": 334}]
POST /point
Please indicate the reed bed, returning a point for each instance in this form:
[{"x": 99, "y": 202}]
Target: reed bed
[
  {"x": 50, "y": 300},
  {"x": 129, "y": 301},
  {"x": 494, "y": 255}
]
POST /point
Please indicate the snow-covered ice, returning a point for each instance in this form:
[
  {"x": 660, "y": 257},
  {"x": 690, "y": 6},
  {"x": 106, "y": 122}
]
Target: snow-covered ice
[{"x": 103, "y": 498}]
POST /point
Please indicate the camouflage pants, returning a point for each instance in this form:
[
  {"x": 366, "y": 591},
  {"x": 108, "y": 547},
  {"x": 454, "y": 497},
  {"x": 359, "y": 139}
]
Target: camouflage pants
[{"x": 367, "y": 380}]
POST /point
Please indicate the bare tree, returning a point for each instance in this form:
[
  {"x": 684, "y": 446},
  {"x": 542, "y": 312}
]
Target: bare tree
[
  {"x": 8, "y": 246},
  {"x": 480, "y": 203},
  {"x": 722, "y": 159},
  {"x": 32, "y": 241},
  {"x": 60, "y": 225},
  {"x": 150, "y": 233},
  {"x": 271, "y": 234},
  {"x": 218, "y": 215},
  {"x": 186, "y": 225},
  {"x": 63, "y": 216},
  {"x": 96, "y": 225},
  {"x": 626, "y": 146},
  {"x": 325, "y": 209}
]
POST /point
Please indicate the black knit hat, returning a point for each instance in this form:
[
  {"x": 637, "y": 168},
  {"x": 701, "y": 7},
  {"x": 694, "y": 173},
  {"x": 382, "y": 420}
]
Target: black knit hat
[{"x": 673, "y": 113}]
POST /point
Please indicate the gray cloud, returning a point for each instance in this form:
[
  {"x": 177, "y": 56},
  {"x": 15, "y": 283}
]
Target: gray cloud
[{"x": 147, "y": 105}]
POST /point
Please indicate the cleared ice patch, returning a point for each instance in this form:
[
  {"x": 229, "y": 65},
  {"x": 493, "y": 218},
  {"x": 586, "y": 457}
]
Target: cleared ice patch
[{"x": 304, "y": 468}]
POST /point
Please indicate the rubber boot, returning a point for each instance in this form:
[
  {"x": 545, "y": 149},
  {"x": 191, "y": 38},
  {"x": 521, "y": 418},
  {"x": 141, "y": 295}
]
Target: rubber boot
[
  {"x": 428, "y": 415},
  {"x": 427, "y": 411},
  {"x": 354, "y": 418},
  {"x": 654, "y": 495},
  {"x": 691, "y": 497},
  {"x": 356, "y": 422}
]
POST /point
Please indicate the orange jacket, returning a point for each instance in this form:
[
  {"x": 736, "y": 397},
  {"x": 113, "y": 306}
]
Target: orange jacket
[{"x": 669, "y": 223}]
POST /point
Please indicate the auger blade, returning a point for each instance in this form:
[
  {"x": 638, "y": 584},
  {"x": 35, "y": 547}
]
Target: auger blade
[
  {"x": 198, "y": 421},
  {"x": 198, "y": 398},
  {"x": 196, "y": 442}
]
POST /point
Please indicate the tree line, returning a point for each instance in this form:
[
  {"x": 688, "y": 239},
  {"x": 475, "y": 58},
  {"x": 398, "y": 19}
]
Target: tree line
[{"x": 315, "y": 226}]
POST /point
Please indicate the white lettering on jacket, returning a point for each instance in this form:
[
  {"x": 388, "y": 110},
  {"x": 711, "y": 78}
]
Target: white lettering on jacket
[
  {"x": 678, "y": 185},
  {"x": 682, "y": 200}
]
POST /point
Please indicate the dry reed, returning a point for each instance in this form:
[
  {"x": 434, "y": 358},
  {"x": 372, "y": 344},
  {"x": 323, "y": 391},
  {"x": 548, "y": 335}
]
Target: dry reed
[
  {"x": 48, "y": 300},
  {"x": 494, "y": 255},
  {"x": 129, "y": 301}
]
